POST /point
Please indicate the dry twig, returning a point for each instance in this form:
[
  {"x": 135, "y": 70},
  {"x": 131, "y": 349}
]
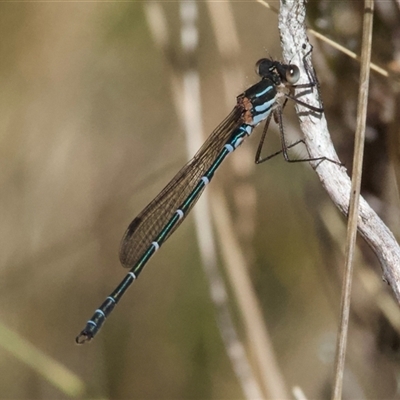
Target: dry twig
[{"x": 334, "y": 178}]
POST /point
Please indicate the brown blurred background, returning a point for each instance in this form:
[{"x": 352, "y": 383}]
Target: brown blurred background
[{"x": 89, "y": 135}]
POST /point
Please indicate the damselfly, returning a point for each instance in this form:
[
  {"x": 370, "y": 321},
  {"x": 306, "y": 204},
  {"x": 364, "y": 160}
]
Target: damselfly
[{"x": 153, "y": 226}]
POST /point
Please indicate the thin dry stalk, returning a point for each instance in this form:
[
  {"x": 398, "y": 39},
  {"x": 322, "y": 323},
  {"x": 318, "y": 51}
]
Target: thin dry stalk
[
  {"x": 252, "y": 319},
  {"x": 188, "y": 105},
  {"x": 259, "y": 342},
  {"x": 354, "y": 199}
]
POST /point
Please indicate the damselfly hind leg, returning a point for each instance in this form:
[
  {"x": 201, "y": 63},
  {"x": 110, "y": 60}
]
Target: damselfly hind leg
[
  {"x": 285, "y": 147},
  {"x": 258, "y": 159}
]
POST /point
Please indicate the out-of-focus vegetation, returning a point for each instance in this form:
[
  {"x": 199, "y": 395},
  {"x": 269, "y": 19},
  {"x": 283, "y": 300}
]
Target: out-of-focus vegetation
[{"x": 89, "y": 136}]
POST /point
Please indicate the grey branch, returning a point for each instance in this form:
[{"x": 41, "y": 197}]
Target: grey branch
[{"x": 333, "y": 177}]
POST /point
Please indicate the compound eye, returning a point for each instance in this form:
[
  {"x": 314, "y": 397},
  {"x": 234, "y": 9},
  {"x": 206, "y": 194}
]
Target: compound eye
[
  {"x": 263, "y": 67},
  {"x": 292, "y": 74}
]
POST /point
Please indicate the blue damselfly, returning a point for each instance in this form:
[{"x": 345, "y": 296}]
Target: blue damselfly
[{"x": 152, "y": 227}]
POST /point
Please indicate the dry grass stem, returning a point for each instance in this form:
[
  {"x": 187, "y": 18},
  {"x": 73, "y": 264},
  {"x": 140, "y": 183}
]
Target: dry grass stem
[{"x": 354, "y": 199}]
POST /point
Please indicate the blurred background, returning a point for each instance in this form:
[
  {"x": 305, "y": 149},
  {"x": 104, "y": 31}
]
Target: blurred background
[{"x": 91, "y": 132}]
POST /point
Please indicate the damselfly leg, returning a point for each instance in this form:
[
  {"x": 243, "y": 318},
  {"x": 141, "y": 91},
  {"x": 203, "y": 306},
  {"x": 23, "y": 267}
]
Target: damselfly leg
[{"x": 284, "y": 149}]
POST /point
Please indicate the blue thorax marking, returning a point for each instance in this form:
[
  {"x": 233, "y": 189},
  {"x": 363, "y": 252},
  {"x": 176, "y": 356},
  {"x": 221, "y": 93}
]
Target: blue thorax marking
[
  {"x": 266, "y": 90},
  {"x": 261, "y": 91}
]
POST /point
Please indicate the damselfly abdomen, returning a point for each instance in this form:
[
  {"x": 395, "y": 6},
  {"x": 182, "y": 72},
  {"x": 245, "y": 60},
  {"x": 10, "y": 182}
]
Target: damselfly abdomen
[{"x": 152, "y": 227}]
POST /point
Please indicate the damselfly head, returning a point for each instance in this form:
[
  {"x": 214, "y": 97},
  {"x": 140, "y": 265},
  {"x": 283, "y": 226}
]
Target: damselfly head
[{"x": 267, "y": 68}]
